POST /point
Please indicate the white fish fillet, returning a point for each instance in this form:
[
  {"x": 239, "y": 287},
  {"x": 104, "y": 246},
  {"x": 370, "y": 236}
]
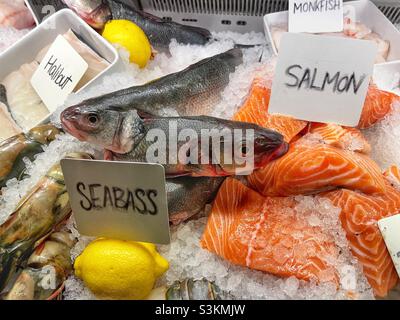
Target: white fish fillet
[
  {"x": 15, "y": 14},
  {"x": 25, "y": 105},
  {"x": 7, "y": 124},
  {"x": 96, "y": 63},
  {"x": 351, "y": 29}
]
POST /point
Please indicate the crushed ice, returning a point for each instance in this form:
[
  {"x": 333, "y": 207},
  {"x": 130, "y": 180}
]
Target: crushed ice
[{"x": 186, "y": 258}]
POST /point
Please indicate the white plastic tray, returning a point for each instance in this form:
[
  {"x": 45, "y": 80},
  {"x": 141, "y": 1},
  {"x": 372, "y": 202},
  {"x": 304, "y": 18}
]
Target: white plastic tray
[
  {"x": 366, "y": 13},
  {"x": 26, "y": 49}
]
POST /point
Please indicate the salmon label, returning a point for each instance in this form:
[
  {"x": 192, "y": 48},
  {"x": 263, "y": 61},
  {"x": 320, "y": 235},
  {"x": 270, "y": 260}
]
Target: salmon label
[
  {"x": 121, "y": 200},
  {"x": 390, "y": 229},
  {"x": 321, "y": 78},
  {"x": 58, "y": 73},
  {"x": 315, "y": 16}
]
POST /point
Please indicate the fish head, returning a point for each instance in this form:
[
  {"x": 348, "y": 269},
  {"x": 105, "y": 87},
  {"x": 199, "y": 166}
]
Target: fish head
[
  {"x": 109, "y": 128},
  {"x": 253, "y": 150},
  {"x": 95, "y": 12}
]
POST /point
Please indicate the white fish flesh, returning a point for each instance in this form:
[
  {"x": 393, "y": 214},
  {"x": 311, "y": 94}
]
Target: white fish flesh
[
  {"x": 24, "y": 103},
  {"x": 96, "y": 64},
  {"x": 8, "y": 127},
  {"x": 351, "y": 29},
  {"x": 14, "y": 13}
]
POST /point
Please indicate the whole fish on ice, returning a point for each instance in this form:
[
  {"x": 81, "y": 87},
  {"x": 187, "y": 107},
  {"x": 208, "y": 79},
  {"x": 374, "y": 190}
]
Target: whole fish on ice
[
  {"x": 160, "y": 32},
  {"x": 132, "y": 136},
  {"x": 192, "y": 91}
]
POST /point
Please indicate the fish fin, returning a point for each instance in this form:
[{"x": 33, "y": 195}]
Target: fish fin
[
  {"x": 247, "y": 46},
  {"x": 3, "y": 94},
  {"x": 144, "y": 115}
]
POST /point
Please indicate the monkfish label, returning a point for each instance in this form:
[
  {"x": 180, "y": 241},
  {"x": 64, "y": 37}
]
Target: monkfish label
[
  {"x": 315, "y": 16},
  {"x": 121, "y": 200},
  {"x": 58, "y": 73},
  {"x": 322, "y": 78},
  {"x": 390, "y": 229}
]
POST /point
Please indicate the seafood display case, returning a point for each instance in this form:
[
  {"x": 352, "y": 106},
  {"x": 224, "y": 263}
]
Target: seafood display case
[
  {"x": 314, "y": 214},
  {"x": 234, "y": 15}
]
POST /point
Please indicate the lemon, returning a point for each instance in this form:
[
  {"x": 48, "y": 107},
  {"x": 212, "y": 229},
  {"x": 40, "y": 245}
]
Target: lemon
[
  {"x": 131, "y": 37},
  {"x": 116, "y": 269}
]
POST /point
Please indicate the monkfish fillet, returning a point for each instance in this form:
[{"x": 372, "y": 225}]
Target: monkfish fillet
[
  {"x": 312, "y": 167},
  {"x": 255, "y": 110},
  {"x": 265, "y": 233},
  {"x": 341, "y": 137},
  {"x": 359, "y": 216}
]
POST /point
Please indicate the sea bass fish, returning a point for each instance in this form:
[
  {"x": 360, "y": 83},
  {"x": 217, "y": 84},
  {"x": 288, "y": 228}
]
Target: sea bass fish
[
  {"x": 94, "y": 12},
  {"x": 194, "y": 146},
  {"x": 192, "y": 91},
  {"x": 160, "y": 32},
  {"x": 188, "y": 196}
]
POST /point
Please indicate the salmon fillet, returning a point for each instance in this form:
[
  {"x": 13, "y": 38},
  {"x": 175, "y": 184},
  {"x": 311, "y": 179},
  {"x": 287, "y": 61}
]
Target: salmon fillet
[
  {"x": 377, "y": 105},
  {"x": 265, "y": 233},
  {"x": 255, "y": 110},
  {"x": 359, "y": 216},
  {"x": 341, "y": 137},
  {"x": 310, "y": 168}
]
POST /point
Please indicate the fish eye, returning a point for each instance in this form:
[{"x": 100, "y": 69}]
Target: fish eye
[
  {"x": 93, "y": 118},
  {"x": 245, "y": 150}
]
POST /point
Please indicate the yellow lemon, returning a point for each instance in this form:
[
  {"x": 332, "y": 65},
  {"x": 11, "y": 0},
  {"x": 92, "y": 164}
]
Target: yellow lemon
[
  {"x": 116, "y": 269},
  {"x": 131, "y": 37}
]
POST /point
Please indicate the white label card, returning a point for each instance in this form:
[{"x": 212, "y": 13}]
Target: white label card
[
  {"x": 322, "y": 78},
  {"x": 121, "y": 200},
  {"x": 390, "y": 229},
  {"x": 315, "y": 16},
  {"x": 58, "y": 73}
]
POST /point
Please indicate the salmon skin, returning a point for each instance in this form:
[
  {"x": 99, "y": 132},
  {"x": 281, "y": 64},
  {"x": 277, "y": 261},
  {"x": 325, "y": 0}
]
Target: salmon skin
[
  {"x": 309, "y": 168},
  {"x": 255, "y": 110},
  {"x": 185, "y": 146},
  {"x": 192, "y": 91},
  {"x": 265, "y": 233},
  {"x": 359, "y": 216}
]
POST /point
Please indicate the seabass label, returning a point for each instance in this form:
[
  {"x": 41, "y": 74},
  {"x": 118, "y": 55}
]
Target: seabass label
[
  {"x": 136, "y": 200},
  {"x": 118, "y": 199}
]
